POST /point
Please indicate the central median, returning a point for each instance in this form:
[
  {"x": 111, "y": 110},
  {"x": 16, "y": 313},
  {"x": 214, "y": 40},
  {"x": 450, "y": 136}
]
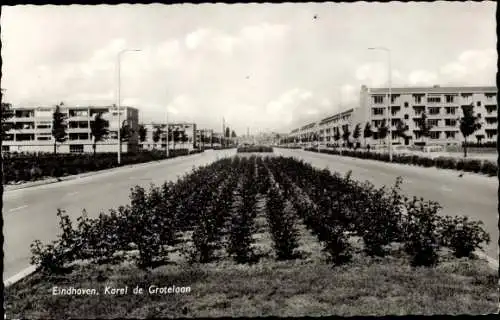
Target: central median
[{"x": 252, "y": 235}]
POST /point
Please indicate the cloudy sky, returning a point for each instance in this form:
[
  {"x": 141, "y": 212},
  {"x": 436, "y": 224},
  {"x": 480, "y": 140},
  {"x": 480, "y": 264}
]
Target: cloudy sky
[{"x": 263, "y": 66}]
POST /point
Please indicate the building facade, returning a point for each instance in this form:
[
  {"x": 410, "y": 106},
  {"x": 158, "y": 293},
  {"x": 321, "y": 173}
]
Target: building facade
[
  {"x": 32, "y": 129},
  {"x": 182, "y": 136},
  {"x": 442, "y": 105},
  {"x": 443, "y": 108}
]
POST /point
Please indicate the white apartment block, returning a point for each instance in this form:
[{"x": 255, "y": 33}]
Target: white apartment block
[
  {"x": 443, "y": 107},
  {"x": 32, "y": 129},
  {"x": 184, "y": 129}
]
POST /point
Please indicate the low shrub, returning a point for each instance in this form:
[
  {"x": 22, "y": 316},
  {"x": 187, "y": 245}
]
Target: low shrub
[
  {"x": 472, "y": 165},
  {"x": 462, "y": 235},
  {"x": 254, "y": 149},
  {"x": 489, "y": 168}
]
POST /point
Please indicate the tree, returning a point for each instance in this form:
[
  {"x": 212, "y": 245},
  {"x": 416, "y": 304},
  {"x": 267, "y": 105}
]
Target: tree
[
  {"x": 357, "y": 132},
  {"x": 367, "y": 132},
  {"x": 7, "y": 113},
  {"x": 336, "y": 136},
  {"x": 401, "y": 128},
  {"x": 468, "y": 124},
  {"x": 176, "y": 136},
  {"x": 156, "y": 135},
  {"x": 59, "y": 126},
  {"x": 383, "y": 130},
  {"x": 424, "y": 126},
  {"x": 346, "y": 133},
  {"x": 233, "y": 134},
  {"x": 98, "y": 129},
  {"x": 142, "y": 133},
  {"x": 126, "y": 132}
]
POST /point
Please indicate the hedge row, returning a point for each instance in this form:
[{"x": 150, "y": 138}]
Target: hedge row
[
  {"x": 255, "y": 149},
  {"x": 470, "y": 165},
  {"x": 34, "y": 167}
]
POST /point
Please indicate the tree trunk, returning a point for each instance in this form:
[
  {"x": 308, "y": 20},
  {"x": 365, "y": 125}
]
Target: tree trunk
[
  {"x": 465, "y": 147},
  {"x": 94, "y": 147},
  {"x": 55, "y": 147}
]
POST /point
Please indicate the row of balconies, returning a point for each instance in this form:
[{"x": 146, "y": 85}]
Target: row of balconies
[{"x": 407, "y": 101}]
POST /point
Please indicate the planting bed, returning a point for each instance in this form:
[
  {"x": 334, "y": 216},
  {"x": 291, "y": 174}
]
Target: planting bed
[
  {"x": 32, "y": 167},
  {"x": 254, "y": 236},
  {"x": 469, "y": 165}
]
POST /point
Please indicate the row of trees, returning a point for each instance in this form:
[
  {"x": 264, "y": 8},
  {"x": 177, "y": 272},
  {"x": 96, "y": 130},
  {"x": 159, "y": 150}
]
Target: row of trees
[
  {"x": 468, "y": 124},
  {"x": 176, "y": 135}
]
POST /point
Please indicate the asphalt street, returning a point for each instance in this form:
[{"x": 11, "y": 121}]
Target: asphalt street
[
  {"x": 473, "y": 194},
  {"x": 30, "y": 213}
]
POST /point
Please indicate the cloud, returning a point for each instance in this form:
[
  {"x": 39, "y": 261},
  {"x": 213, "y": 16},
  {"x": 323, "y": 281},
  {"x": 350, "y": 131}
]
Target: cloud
[
  {"x": 196, "y": 38},
  {"x": 472, "y": 67},
  {"x": 422, "y": 78}
]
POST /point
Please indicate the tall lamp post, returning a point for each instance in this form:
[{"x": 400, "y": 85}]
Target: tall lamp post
[
  {"x": 389, "y": 102},
  {"x": 167, "y": 135},
  {"x": 119, "y": 99}
]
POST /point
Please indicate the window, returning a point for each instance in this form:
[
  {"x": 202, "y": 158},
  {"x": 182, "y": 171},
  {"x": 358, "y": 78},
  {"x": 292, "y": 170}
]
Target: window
[
  {"x": 9, "y": 137},
  {"x": 450, "y": 134},
  {"x": 377, "y": 111},
  {"x": 435, "y": 134},
  {"x": 449, "y": 99},
  {"x": 25, "y": 137},
  {"x": 491, "y": 120},
  {"x": 490, "y": 108},
  {"x": 407, "y": 117},
  {"x": 434, "y": 110},
  {"x": 478, "y": 103},
  {"x": 44, "y": 138},
  {"x": 466, "y": 95},
  {"x": 433, "y": 122},
  {"x": 76, "y": 148},
  {"x": 479, "y": 115},
  {"x": 418, "y": 109},
  {"x": 5, "y": 148},
  {"x": 433, "y": 99},
  {"x": 406, "y": 104},
  {"x": 450, "y": 122},
  {"x": 43, "y": 126},
  {"x": 450, "y": 110},
  {"x": 378, "y": 99},
  {"x": 491, "y": 133},
  {"x": 490, "y": 95},
  {"x": 418, "y": 98}
]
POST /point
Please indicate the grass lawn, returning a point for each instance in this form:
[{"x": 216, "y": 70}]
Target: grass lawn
[{"x": 302, "y": 287}]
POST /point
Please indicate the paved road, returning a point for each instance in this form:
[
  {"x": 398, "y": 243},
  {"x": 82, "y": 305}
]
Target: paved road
[
  {"x": 30, "y": 213},
  {"x": 473, "y": 195}
]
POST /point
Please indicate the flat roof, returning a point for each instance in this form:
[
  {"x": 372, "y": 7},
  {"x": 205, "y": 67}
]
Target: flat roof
[{"x": 435, "y": 89}]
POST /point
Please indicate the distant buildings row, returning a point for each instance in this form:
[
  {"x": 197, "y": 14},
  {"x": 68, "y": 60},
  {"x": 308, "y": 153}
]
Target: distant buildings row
[
  {"x": 31, "y": 131},
  {"x": 442, "y": 106}
]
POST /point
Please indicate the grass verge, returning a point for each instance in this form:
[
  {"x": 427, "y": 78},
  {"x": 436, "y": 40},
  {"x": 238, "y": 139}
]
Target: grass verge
[{"x": 294, "y": 288}]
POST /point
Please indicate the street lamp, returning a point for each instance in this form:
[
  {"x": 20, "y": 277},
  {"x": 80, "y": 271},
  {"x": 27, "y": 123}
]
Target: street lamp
[
  {"x": 118, "y": 102},
  {"x": 390, "y": 97},
  {"x": 167, "y": 134}
]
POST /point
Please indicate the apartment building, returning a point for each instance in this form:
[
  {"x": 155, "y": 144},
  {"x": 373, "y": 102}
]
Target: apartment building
[
  {"x": 442, "y": 105},
  {"x": 182, "y": 136},
  {"x": 325, "y": 128},
  {"x": 207, "y": 138},
  {"x": 32, "y": 129}
]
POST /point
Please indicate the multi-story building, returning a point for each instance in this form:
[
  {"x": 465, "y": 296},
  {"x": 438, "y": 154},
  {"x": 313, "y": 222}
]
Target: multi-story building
[
  {"x": 207, "y": 138},
  {"x": 32, "y": 129},
  {"x": 182, "y": 136},
  {"x": 442, "y": 105}
]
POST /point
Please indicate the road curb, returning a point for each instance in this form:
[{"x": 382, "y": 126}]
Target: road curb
[
  {"x": 82, "y": 175},
  {"x": 19, "y": 276}
]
